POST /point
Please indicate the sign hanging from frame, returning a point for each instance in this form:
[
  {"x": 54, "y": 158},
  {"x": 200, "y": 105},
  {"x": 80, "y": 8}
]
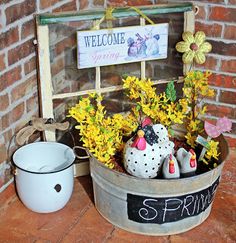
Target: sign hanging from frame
[{"x": 121, "y": 45}]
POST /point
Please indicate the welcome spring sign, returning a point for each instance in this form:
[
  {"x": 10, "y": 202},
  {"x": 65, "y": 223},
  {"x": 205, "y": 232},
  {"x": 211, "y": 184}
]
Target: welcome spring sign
[{"x": 121, "y": 45}]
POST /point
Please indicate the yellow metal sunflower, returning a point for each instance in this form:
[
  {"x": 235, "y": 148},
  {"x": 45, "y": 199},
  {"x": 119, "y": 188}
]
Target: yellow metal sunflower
[{"x": 194, "y": 47}]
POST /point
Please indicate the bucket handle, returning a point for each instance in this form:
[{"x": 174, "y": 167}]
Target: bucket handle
[
  {"x": 78, "y": 156},
  {"x": 36, "y": 124}
]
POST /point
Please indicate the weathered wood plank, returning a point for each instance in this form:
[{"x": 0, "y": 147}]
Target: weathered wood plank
[
  {"x": 86, "y": 15},
  {"x": 110, "y": 89},
  {"x": 189, "y": 25},
  {"x": 143, "y": 63},
  {"x": 45, "y": 85}
]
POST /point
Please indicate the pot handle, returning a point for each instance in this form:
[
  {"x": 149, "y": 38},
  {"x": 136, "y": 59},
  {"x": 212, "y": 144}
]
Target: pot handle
[{"x": 78, "y": 156}]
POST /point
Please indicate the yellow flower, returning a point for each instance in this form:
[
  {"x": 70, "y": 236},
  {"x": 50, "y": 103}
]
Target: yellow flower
[
  {"x": 213, "y": 150},
  {"x": 100, "y": 133},
  {"x": 191, "y": 139},
  {"x": 194, "y": 125},
  {"x": 194, "y": 47},
  {"x": 158, "y": 107},
  {"x": 184, "y": 105},
  {"x": 210, "y": 93},
  {"x": 203, "y": 110}
]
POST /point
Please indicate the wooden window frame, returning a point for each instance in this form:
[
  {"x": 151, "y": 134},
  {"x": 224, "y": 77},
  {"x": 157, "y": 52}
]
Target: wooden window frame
[{"x": 45, "y": 78}]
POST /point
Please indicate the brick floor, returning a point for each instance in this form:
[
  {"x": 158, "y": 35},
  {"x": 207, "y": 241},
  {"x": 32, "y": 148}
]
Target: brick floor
[{"x": 79, "y": 221}]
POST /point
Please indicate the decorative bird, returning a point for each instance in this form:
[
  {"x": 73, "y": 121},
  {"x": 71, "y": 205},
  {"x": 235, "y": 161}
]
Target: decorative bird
[
  {"x": 170, "y": 169},
  {"x": 144, "y": 154},
  {"x": 187, "y": 161}
]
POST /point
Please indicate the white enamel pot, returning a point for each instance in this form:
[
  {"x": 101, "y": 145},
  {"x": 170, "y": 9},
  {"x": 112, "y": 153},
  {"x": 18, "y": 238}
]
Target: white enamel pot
[{"x": 44, "y": 175}]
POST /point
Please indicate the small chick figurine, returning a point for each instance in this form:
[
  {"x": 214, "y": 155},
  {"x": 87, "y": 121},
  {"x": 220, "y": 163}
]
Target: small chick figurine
[
  {"x": 187, "y": 161},
  {"x": 146, "y": 151},
  {"x": 170, "y": 169}
]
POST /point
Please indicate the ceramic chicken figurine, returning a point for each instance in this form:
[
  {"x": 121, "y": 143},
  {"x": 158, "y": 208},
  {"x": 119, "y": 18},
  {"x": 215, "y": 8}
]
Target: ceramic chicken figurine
[
  {"x": 187, "y": 161},
  {"x": 146, "y": 151},
  {"x": 170, "y": 169}
]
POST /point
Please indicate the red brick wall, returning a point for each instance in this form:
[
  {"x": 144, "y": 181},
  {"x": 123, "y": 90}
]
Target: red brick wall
[
  {"x": 217, "y": 18},
  {"x": 18, "y": 76},
  {"x": 18, "y": 84}
]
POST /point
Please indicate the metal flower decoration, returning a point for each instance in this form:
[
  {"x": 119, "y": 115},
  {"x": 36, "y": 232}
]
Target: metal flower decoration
[{"x": 194, "y": 47}]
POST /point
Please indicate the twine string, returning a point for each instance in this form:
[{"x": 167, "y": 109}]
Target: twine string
[
  {"x": 142, "y": 14},
  {"x": 39, "y": 124},
  {"x": 108, "y": 16}
]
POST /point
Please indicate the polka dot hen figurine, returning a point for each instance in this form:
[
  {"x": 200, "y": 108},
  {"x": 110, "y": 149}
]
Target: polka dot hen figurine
[{"x": 145, "y": 152}]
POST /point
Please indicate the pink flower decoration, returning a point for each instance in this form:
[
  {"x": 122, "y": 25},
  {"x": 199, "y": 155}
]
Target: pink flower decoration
[{"x": 222, "y": 125}]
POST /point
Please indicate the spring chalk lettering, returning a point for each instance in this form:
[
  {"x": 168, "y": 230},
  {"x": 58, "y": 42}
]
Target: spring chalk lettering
[{"x": 164, "y": 210}]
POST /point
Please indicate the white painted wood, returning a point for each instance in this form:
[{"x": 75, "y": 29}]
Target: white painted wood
[
  {"x": 111, "y": 88},
  {"x": 143, "y": 63},
  {"x": 45, "y": 86},
  {"x": 98, "y": 69},
  {"x": 189, "y": 25},
  {"x": 122, "y": 45}
]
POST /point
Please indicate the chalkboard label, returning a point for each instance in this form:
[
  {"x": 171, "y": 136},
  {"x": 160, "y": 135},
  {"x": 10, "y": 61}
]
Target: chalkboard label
[{"x": 169, "y": 209}]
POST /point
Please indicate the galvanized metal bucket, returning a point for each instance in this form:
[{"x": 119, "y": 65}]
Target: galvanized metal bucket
[{"x": 155, "y": 206}]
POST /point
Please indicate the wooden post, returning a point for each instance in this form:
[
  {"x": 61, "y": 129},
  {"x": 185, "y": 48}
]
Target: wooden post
[
  {"x": 45, "y": 84},
  {"x": 143, "y": 63},
  {"x": 189, "y": 25},
  {"x": 98, "y": 69}
]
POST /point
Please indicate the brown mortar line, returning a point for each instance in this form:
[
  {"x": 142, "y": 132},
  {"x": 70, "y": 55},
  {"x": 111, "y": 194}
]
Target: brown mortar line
[
  {"x": 73, "y": 224},
  {"x": 109, "y": 235}
]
